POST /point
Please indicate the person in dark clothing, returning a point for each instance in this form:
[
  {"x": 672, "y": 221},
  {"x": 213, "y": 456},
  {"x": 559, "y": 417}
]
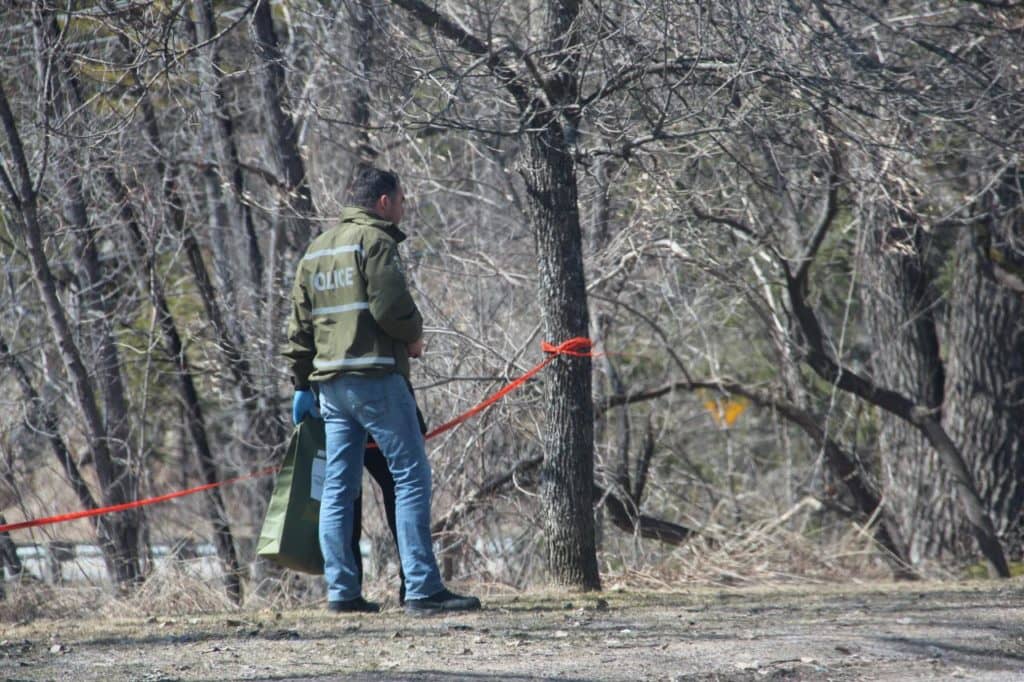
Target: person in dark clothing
[
  {"x": 377, "y": 466},
  {"x": 375, "y": 463}
]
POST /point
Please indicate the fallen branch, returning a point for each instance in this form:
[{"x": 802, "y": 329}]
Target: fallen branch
[
  {"x": 621, "y": 516},
  {"x": 626, "y": 519}
]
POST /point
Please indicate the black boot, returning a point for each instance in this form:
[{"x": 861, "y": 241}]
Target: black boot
[
  {"x": 357, "y": 605},
  {"x": 444, "y": 601}
]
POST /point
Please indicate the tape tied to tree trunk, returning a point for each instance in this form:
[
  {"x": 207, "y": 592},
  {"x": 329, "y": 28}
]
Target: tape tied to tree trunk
[{"x": 575, "y": 347}]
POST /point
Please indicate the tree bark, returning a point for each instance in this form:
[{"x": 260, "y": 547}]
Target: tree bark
[
  {"x": 567, "y": 475},
  {"x": 568, "y": 472},
  {"x": 985, "y": 398},
  {"x": 900, "y": 301}
]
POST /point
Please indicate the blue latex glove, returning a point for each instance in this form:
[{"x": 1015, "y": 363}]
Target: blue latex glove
[{"x": 304, "y": 403}]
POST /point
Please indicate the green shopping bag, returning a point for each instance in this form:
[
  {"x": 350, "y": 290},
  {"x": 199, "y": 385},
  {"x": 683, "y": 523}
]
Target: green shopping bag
[{"x": 289, "y": 533}]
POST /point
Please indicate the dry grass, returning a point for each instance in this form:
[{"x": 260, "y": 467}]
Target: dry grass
[
  {"x": 172, "y": 589},
  {"x": 790, "y": 548},
  {"x": 29, "y": 599}
]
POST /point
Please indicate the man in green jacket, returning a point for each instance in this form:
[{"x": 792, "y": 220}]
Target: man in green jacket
[{"x": 354, "y": 327}]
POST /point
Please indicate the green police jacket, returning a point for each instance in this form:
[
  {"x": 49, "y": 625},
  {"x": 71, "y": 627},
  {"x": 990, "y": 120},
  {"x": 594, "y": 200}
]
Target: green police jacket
[{"x": 351, "y": 307}]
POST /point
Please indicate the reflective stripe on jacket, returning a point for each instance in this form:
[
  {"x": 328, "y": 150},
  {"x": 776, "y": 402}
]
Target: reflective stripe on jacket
[{"x": 351, "y": 306}]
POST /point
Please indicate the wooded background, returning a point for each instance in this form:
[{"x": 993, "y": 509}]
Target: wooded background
[{"x": 795, "y": 226}]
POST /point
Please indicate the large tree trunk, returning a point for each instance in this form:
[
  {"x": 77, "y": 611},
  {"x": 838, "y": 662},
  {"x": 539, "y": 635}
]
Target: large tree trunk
[
  {"x": 550, "y": 175},
  {"x": 568, "y": 472},
  {"x": 567, "y": 476},
  {"x": 985, "y": 397},
  {"x": 900, "y": 301}
]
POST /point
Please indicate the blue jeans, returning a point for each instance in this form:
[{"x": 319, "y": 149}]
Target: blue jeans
[{"x": 382, "y": 406}]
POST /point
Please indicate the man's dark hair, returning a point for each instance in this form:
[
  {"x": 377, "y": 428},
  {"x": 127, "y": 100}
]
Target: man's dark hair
[{"x": 369, "y": 184}]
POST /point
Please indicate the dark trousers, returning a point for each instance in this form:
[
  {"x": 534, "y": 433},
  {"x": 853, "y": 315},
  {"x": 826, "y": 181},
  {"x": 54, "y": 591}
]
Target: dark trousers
[{"x": 377, "y": 465}]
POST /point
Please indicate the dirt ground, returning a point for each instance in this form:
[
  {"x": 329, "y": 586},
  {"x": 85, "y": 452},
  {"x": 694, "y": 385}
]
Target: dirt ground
[{"x": 969, "y": 630}]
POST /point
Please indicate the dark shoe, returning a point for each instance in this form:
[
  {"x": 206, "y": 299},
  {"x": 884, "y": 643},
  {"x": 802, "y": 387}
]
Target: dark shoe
[
  {"x": 357, "y": 605},
  {"x": 444, "y": 601}
]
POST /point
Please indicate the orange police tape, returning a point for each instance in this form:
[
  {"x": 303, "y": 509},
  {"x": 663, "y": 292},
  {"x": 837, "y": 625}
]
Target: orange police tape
[{"x": 577, "y": 347}]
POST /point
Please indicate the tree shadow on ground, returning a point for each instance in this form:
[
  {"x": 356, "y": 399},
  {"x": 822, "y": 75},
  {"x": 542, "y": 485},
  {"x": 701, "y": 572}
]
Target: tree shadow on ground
[
  {"x": 419, "y": 676},
  {"x": 982, "y": 658}
]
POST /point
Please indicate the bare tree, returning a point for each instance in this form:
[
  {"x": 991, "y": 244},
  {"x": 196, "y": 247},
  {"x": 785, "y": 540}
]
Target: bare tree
[
  {"x": 118, "y": 535},
  {"x": 550, "y": 178}
]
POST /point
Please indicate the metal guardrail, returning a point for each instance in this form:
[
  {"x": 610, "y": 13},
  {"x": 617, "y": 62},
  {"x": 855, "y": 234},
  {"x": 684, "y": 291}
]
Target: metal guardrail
[
  {"x": 60, "y": 562},
  {"x": 66, "y": 562}
]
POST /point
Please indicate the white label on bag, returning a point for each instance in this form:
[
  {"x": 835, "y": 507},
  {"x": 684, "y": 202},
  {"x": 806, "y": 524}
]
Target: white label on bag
[{"x": 316, "y": 483}]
